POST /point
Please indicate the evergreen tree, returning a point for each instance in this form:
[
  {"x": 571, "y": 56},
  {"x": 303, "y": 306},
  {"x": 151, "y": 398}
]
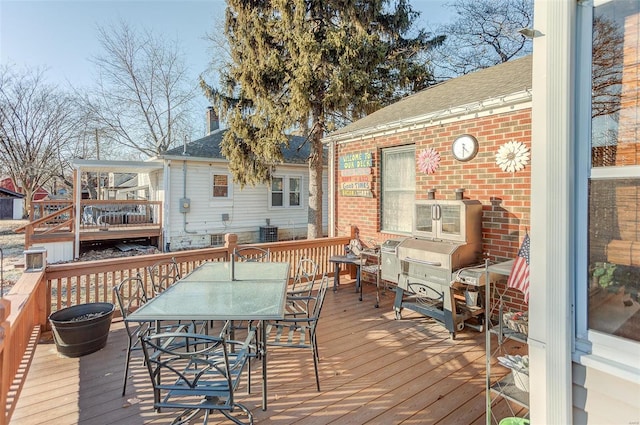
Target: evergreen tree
[{"x": 311, "y": 66}]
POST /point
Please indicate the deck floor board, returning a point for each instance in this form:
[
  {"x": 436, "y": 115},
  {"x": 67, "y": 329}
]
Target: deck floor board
[{"x": 373, "y": 370}]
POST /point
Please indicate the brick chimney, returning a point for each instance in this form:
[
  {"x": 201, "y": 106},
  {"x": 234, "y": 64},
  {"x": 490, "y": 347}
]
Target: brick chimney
[{"x": 212, "y": 120}]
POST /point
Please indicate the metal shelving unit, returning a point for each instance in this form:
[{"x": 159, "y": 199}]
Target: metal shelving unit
[{"x": 505, "y": 387}]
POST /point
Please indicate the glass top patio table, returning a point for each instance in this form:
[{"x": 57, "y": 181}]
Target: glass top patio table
[
  {"x": 224, "y": 291},
  {"x": 257, "y": 291}
]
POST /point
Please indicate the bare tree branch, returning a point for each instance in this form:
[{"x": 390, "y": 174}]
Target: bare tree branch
[{"x": 143, "y": 93}]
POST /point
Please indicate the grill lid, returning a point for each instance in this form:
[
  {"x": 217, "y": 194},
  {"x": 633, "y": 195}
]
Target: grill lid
[
  {"x": 416, "y": 248},
  {"x": 439, "y": 254},
  {"x": 391, "y": 245}
]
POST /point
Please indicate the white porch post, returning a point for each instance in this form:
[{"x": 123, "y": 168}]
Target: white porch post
[
  {"x": 78, "y": 211},
  {"x": 550, "y": 331},
  {"x": 331, "y": 189}
]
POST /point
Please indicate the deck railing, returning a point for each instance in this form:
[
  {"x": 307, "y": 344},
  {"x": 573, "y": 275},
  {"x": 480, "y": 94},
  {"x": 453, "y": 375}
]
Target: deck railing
[
  {"x": 53, "y": 221},
  {"x": 24, "y": 311}
]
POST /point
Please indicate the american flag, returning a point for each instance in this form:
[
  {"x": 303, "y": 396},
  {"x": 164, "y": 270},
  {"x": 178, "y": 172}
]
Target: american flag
[{"x": 519, "y": 277}]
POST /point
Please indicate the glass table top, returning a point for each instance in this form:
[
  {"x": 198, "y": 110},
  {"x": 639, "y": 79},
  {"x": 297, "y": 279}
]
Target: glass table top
[{"x": 258, "y": 292}]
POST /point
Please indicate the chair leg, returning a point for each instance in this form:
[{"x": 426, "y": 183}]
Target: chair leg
[
  {"x": 126, "y": 368},
  {"x": 314, "y": 348}
]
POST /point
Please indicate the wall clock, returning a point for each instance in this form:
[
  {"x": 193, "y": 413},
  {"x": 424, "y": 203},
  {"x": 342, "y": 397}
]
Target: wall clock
[{"x": 465, "y": 147}]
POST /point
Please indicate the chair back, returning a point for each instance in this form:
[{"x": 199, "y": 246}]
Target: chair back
[
  {"x": 130, "y": 294},
  {"x": 320, "y": 296},
  {"x": 163, "y": 274},
  {"x": 195, "y": 371},
  {"x": 251, "y": 254},
  {"x": 305, "y": 276}
]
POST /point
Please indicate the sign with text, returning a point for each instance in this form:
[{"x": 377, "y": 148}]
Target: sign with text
[
  {"x": 356, "y": 193},
  {"x": 356, "y": 175},
  {"x": 356, "y": 160}
]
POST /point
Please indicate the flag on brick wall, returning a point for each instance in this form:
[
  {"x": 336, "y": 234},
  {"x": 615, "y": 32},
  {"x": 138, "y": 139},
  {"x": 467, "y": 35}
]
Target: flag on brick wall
[{"x": 519, "y": 277}]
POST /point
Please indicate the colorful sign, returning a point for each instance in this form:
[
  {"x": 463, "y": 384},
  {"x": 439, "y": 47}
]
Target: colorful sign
[{"x": 356, "y": 160}]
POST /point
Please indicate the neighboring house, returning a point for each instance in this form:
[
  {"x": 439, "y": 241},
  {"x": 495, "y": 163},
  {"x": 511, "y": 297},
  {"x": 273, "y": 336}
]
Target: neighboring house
[
  {"x": 578, "y": 198},
  {"x": 202, "y": 203},
  {"x": 11, "y": 204},
  {"x": 8, "y": 183}
]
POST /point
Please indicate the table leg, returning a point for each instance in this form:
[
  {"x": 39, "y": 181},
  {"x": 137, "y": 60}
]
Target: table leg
[
  {"x": 263, "y": 342},
  {"x": 336, "y": 276},
  {"x": 358, "y": 280}
]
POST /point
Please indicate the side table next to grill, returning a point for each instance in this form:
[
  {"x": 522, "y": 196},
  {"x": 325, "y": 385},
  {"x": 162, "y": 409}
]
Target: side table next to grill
[{"x": 337, "y": 260}]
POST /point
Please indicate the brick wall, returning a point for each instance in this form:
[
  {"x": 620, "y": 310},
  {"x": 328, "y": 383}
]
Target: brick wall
[{"x": 505, "y": 196}]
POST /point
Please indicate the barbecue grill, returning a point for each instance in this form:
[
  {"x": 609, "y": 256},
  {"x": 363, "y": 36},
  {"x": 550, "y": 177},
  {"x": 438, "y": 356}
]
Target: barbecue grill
[{"x": 427, "y": 265}]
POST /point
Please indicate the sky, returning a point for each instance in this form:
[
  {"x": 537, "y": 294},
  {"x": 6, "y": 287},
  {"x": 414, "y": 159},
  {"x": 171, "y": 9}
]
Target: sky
[{"x": 61, "y": 36}]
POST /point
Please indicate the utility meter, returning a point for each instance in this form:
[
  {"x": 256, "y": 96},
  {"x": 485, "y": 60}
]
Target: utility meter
[{"x": 185, "y": 205}]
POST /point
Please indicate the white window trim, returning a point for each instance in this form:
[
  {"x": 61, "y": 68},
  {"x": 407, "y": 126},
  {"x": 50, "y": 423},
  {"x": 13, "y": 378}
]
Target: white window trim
[
  {"x": 598, "y": 350},
  {"x": 229, "y": 196},
  {"x": 286, "y": 192},
  {"x": 383, "y": 153}
]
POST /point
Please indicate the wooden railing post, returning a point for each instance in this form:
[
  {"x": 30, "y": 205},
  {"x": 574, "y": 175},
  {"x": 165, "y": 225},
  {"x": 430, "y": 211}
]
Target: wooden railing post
[{"x": 230, "y": 243}]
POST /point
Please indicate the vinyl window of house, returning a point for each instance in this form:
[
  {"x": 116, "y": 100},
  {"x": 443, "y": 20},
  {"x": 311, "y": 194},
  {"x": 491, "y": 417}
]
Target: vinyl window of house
[
  {"x": 611, "y": 282},
  {"x": 221, "y": 186},
  {"x": 294, "y": 191},
  {"x": 398, "y": 188},
  {"x": 285, "y": 191}
]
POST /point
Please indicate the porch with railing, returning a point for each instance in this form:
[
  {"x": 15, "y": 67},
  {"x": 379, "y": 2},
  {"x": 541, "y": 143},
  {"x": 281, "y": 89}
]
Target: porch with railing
[
  {"x": 100, "y": 220},
  {"x": 374, "y": 369}
]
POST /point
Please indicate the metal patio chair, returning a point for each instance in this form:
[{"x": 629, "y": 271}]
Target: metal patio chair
[
  {"x": 302, "y": 287},
  {"x": 251, "y": 254},
  {"x": 163, "y": 274},
  {"x": 247, "y": 254},
  {"x": 131, "y": 295},
  {"x": 197, "y": 373},
  {"x": 300, "y": 332}
]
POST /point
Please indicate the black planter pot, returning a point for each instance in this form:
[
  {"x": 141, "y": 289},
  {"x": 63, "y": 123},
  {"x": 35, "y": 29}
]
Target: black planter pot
[{"x": 81, "y": 329}]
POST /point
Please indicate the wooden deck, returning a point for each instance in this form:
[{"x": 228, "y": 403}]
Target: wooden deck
[{"x": 373, "y": 370}]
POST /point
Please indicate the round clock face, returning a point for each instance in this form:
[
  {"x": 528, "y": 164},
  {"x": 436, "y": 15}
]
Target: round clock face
[{"x": 465, "y": 147}]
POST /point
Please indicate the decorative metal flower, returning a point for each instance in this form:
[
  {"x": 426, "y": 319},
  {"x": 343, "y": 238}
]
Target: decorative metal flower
[
  {"x": 428, "y": 160},
  {"x": 512, "y": 156}
]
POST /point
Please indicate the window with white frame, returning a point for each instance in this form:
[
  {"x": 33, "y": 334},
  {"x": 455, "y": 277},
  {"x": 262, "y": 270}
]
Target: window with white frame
[
  {"x": 613, "y": 275},
  {"x": 285, "y": 191},
  {"x": 221, "y": 186},
  {"x": 398, "y": 185}
]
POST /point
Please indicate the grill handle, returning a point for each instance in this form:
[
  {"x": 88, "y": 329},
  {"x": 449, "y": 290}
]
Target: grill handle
[
  {"x": 436, "y": 212},
  {"x": 426, "y": 262}
]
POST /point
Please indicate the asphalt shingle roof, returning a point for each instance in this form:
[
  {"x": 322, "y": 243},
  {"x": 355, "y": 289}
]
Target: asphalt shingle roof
[
  {"x": 490, "y": 83},
  {"x": 209, "y": 147}
]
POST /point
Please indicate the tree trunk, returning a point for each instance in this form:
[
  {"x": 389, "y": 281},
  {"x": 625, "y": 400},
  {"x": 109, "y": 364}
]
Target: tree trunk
[
  {"x": 28, "y": 199},
  {"x": 314, "y": 224}
]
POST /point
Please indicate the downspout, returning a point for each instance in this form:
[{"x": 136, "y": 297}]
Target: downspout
[
  {"x": 167, "y": 210},
  {"x": 184, "y": 196}
]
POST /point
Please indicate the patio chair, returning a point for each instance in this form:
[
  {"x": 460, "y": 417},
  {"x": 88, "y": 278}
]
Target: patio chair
[
  {"x": 131, "y": 295},
  {"x": 300, "y": 332},
  {"x": 88, "y": 218},
  {"x": 300, "y": 291},
  {"x": 163, "y": 274},
  {"x": 247, "y": 254},
  {"x": 251, "y": 254},
  {"x": 198, "y": 377}
]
